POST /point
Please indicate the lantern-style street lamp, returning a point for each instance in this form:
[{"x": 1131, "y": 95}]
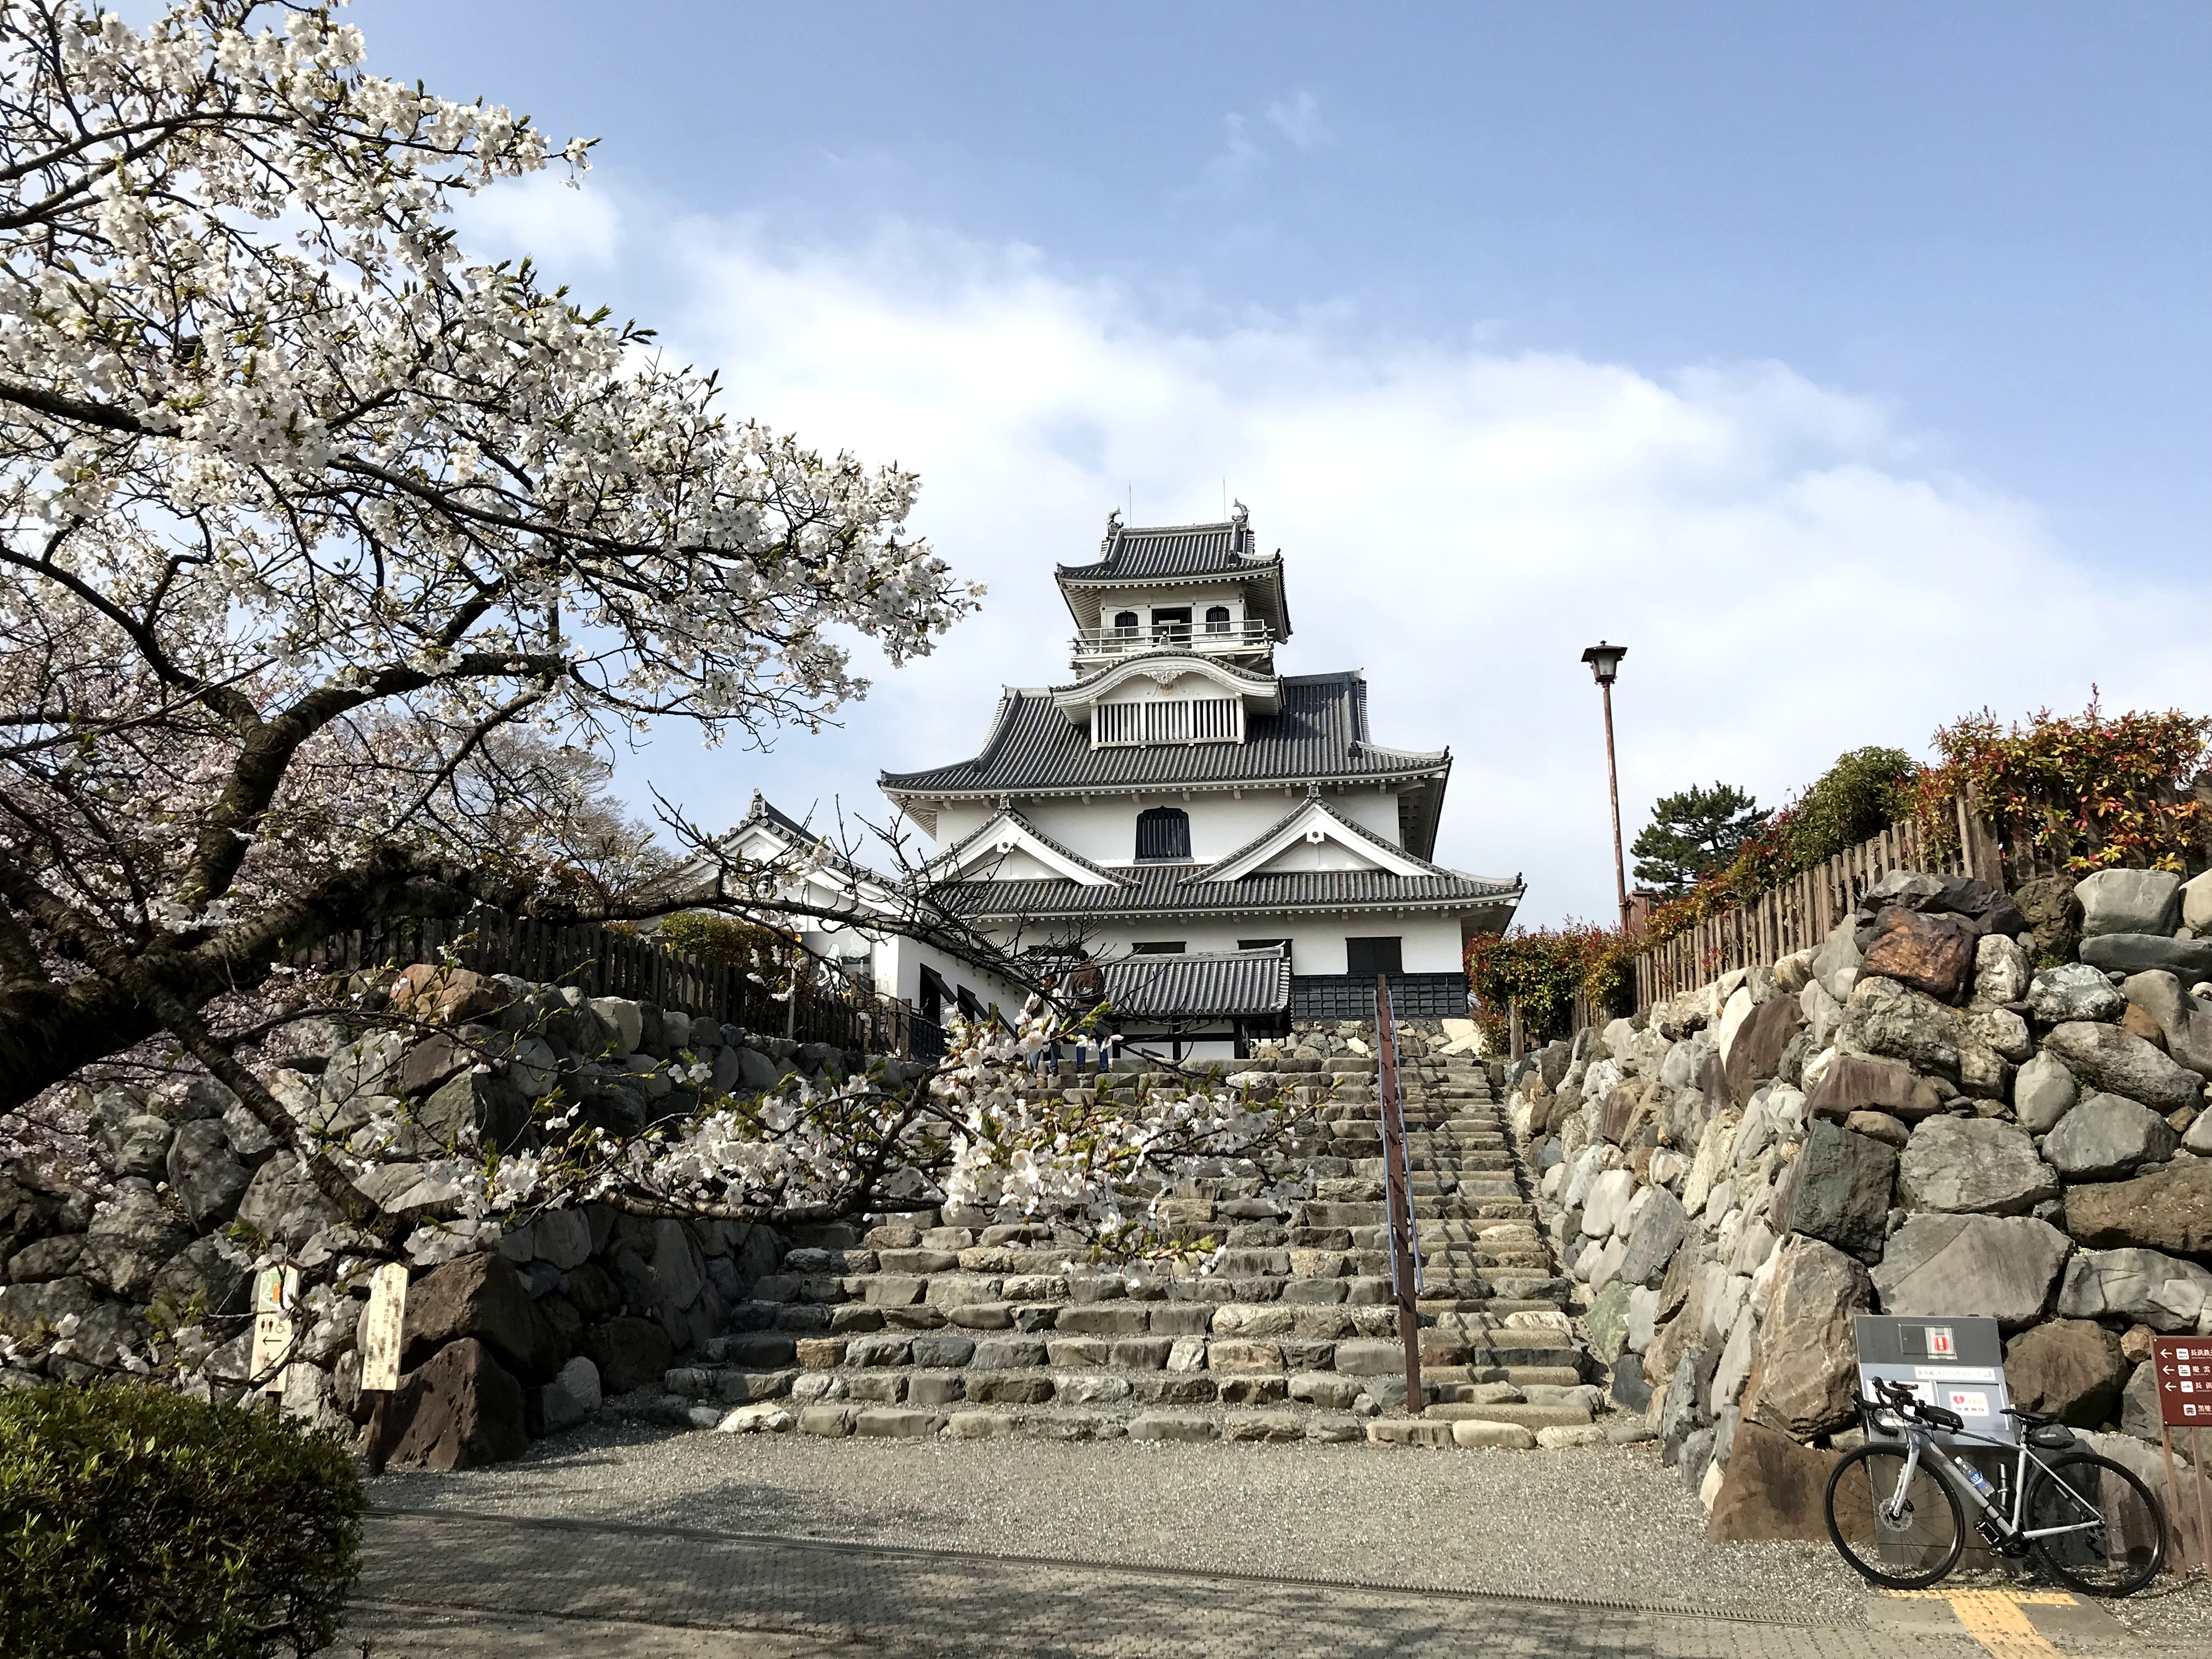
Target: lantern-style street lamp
[{"x": 1605, "y": 668}]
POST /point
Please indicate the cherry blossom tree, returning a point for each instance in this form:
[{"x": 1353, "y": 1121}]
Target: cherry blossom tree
[
  {"x": 299, "y": 507},
  {"x": 311, "y": 525}
]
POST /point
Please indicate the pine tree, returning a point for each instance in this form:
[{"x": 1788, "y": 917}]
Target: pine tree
[{"x": 1694, "y": 834}]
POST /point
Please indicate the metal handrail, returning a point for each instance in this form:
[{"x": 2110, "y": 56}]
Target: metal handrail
[
  {"x": 1398, "y": 1188},
  {"x": 1249, "y": 634}
]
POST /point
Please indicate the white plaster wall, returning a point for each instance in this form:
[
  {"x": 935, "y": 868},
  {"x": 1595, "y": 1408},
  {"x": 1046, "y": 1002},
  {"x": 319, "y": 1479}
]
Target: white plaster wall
[
  {"x": 899, "y": 963},
  {"x": 1104, "y": 831},
  {"x": 1145, "y": 600},
  {"x": 1328, "y": 853}
]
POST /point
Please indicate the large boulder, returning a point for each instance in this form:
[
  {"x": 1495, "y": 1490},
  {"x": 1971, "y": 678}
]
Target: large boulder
[
  {"x": 283, "y": 1204},
  {"x": 630, "y": 1353},
  {"x": 2001, "y": 970},
  {"x": 1771, "y": 1489},
  {"x": 2073, "y": 1367},
  {"x": 2183, "y": 1022},
  {"x": 139, "y": 1146},
  {"x": 471, "y": 1103},
  {"x": 568, "y": 1399},
  {"x": 2128, "y": 901},
  {"x": 2168, "y": 1210},
  {"x": 1607, "y": 1320},
  {"x": 1654, "y": 1239},
  {"x": 1807, "y": 1372},
  {"x": 1836, "y": 964},
  {"x": 2000, "y": 1267},
  {"x": 2120, "y": 1063},
  {"x": 1930, "y": 953},
  {"x": 1858, "y": 1083},
  {"x": 2053, "y": 915},
  {"x": 1889, "y": 1019},
  {"x": 2197, "y": 904},
  {"x": 127, "y": 1245},
  {"x": 2143, "y": 1286},
  {"x": 1756, "y": 1052},
  {"x": 2136, "y": 953},
  {"x": 207, "y": 1177},
  {"x": 1986, "y": 908},
  {"x": 2073, "y": 991},
  {"x": 202, "y": 1274},
  {"x": 1972, "y": 1166},
  {"x": 1606, "y": 1205},
  {"x": 443, "y": 993},
  {"x": 1840, "y": 1189},
  {"x": 2042, "y": 1093},
  {"x": 2108, "y": 1135},
  {"x": 481, "y": 1297},
  {"x": 460, "y": 1410}
]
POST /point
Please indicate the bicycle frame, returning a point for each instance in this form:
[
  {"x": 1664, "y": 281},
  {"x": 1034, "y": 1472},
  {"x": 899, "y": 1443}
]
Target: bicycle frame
[{"x": 1951, "y": 1470}]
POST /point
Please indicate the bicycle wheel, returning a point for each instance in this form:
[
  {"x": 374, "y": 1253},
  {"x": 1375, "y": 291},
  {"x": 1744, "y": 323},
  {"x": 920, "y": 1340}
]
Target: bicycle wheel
[
  {"x": 1900, "y": 1536},
  {"x": 2121, "y": 1542}
]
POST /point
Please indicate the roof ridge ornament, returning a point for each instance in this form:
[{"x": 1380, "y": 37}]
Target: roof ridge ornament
[
  {"x": 1113, "y": 527},
  {"x": 1241, "y": 516}
]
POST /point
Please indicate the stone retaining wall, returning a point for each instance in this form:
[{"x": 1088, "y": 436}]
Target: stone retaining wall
[
  {"x": 509, "y": 1332},
  {"x": 1914, "y": 1118}
]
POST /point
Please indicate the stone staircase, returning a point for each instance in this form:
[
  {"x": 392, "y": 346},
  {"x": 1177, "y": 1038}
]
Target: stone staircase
[{"x": 972, "y": 1325}]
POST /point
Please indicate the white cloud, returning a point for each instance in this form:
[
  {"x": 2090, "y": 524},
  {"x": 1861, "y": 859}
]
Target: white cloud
[
  {"x": 1459, "y": 522},
  {"x": 1299, "y": 119},
  {"x": 1237, "y": 160},
  {"x": 561, "y": 227}
]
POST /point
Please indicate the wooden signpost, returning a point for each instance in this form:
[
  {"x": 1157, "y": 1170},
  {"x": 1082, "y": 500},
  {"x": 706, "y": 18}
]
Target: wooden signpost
[
  {"x": 2182, "y": 1366},
  {"x": 276, "y": 1300},
  {"x": 381, "y": 1327}
]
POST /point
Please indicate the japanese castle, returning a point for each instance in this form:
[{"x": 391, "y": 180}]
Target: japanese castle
[{"x": 1226, "y": 842}]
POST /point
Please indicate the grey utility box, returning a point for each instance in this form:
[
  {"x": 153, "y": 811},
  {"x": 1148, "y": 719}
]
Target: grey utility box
[{"x": 1954, "y": 1361}]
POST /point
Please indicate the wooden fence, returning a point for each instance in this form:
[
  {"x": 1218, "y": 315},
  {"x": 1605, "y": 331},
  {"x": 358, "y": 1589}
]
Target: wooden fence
[
  {"x": 1801, "y": 911},
  {"x": 600, "y": 962}
]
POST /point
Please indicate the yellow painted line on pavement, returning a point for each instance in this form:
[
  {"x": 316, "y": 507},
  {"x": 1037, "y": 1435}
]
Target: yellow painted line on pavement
[{"x": 1996, "y": 1618}]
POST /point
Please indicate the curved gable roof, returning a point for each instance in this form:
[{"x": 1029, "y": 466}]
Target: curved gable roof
[
  {"x": 1173, "y": 553},
  {"x": 1320, "y": 736}
]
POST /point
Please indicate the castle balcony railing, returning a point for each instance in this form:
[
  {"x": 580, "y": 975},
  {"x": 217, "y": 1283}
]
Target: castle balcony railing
[{"x": 1096, "y": 646}]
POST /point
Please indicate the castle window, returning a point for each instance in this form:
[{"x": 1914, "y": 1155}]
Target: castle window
[
  {"x": 1368, "y": 957},
  {"x": 1125, "y": 625},
  {"x": 1217, "y": 619},
  {"x": 1164, "y": 832}
]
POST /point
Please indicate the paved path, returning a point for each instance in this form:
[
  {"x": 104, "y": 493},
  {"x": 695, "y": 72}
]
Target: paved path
[{"x": 456, "y": 1585}]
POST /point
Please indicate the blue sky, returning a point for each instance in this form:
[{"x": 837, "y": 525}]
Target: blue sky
[{"x": 1850, "y": 362}]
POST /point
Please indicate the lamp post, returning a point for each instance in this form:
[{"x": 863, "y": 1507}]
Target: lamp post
[{"x": 1605, "y": 668}]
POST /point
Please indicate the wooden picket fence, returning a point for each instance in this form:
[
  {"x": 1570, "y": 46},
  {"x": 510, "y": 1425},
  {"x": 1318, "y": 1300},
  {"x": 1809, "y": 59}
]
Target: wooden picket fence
[
  {"x": 1801, "y": 911},
  {"x": 601, "y": 962}
]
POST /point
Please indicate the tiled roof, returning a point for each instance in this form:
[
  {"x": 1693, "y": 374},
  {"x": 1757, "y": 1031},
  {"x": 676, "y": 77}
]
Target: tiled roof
[
  {"x": 1320, "y": 736},
  {"x": 1218, "y": 984},
  {"x": 1165, "y": 890},
  {"x": 1137, "y": 554}
]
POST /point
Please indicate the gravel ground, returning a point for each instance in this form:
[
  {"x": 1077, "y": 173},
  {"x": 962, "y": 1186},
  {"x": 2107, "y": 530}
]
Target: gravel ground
[{"x": 1606, "y": 1523}]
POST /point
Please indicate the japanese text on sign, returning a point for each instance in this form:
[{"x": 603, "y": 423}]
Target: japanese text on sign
[{"x": 2182, "y": 1365}]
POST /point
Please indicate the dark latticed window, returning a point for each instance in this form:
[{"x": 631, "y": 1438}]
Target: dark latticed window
[
  {"x": 1217, "y": 619},
  {"x": 1164, "y": 832}
]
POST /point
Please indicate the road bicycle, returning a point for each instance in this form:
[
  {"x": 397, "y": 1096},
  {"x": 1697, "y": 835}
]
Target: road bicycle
[{"x": 1892, "y": 1505}]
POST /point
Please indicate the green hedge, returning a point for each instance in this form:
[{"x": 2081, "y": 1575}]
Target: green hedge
[{"x": 137, "y": 1523}]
